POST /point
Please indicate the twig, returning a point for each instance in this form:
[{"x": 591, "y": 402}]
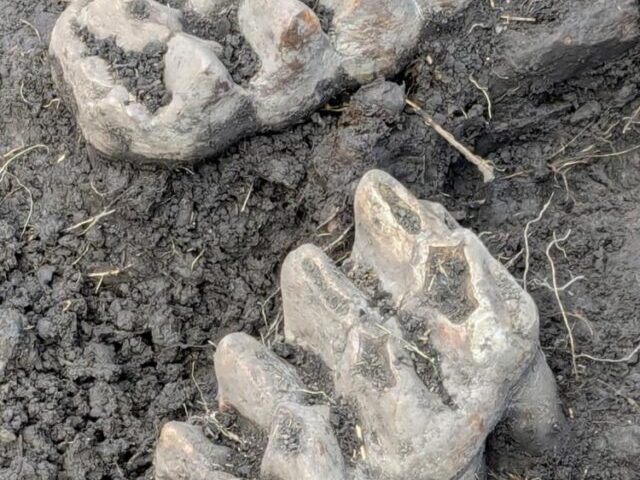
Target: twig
[
  {"x": 546, "y": 285},
  {"x": 611, "y": 360},
  {"x": 408, "y": 345},
  {"x": 556, "y": 291},
  {"x": 273, "y": 326},
  {"x": 526, "y": 240},
  {"x": 24, "y": 99},
  {"x": 485, "y": 92},
  {"x": 485, "y": 167},
  {"x": 81, "y": 256}
]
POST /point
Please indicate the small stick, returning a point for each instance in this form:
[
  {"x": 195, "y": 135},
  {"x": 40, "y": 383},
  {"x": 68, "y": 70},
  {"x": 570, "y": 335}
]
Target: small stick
[
  {"x": 485, "y": 92},
  {"x": 24, "y": 99},
  {"x": 485, "y": 167},
  {"x": 556, "y": 291},
  {"x": 84, "y": 252}
]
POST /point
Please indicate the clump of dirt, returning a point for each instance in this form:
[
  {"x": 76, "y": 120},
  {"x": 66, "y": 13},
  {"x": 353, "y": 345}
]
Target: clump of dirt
[
  {"x": 141, "y": 73},
  {"x": 448, "y": 283}
]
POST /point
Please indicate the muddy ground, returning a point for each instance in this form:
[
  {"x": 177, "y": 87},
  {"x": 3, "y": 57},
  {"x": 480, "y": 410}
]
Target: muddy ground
[{"x": 121, "y": 316}]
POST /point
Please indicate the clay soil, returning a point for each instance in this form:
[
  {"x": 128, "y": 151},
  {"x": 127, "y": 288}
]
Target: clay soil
[{"x": 121, "y": 316}]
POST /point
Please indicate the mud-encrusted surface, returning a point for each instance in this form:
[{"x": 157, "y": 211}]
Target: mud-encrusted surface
[
  {"x": 140, "y": 72},
  {"x": 121, "y": 315},
  {"x": 222, "y": 27}
]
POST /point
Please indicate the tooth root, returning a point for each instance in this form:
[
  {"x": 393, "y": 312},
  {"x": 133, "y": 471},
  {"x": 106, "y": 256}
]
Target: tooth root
[
  {"x": 534, "y": 418},
  {"x": 296, "y": 58},
  {"x": 184, "y": 453},
  {"x": 320, "y": 304},
  {"x": 252, "y": 379},
  {"x": 302, "y": 445}
]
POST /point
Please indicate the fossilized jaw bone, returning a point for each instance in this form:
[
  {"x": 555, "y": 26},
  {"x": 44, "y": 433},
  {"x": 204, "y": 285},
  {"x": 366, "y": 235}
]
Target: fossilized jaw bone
[
  {"x": 301, "y": 68},
  {"x": 431, "y": 370}
]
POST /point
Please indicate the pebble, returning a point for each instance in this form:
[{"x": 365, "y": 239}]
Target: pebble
[{"x": 11, "y": 322}]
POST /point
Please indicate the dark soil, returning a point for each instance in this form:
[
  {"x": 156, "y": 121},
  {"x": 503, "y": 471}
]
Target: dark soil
[
  {"x": 195, "y": 254},
  {"x": 142, "y": 73}
]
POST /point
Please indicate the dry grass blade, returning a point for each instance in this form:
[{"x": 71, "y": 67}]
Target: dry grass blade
[
  {"x": 90, "y": 222},
  {"x": 12, "y": 156},
  {"x": 565, "y": 163},
  {"x": 30, "y": 195}
]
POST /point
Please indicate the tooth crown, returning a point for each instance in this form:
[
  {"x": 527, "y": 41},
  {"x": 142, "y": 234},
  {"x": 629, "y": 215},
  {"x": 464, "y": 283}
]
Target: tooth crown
[{"x": 301, "y": 67}]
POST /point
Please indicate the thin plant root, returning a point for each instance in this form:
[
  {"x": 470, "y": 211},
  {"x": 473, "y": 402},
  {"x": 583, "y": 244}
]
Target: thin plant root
[
  {"x": 526, "y": 241},
  {"x": 485, "y": 92},
  {"x": 565, "y": 317},
  {"x": 611, "y": 360}
]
